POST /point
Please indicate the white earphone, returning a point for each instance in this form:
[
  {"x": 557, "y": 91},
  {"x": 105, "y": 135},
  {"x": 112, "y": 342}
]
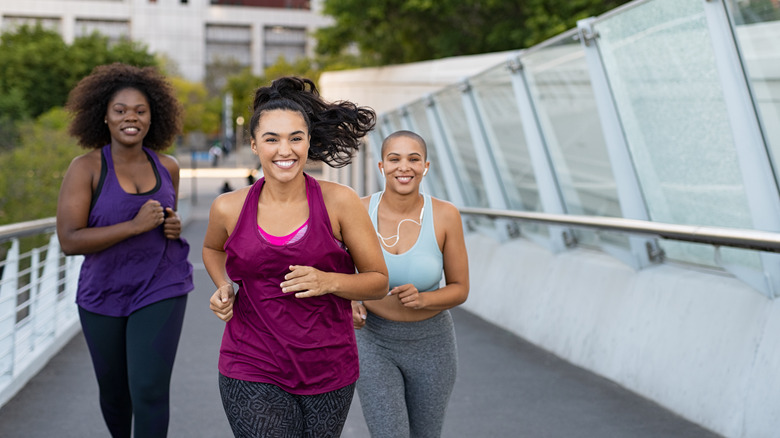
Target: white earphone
[{"x": 425, "y": 171}]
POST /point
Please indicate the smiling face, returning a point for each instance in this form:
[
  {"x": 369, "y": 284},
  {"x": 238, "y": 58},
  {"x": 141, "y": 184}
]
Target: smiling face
[
  {"x": 403, "y": 162},
  {"x": 128, "y": 117},
  {"x": 281, "y": 141}
]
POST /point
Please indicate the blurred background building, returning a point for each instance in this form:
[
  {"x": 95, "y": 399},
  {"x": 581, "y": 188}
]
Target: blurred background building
[{"x": 196, "y": 35}]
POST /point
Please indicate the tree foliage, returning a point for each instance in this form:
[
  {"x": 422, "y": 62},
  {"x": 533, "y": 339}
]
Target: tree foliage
[
  {"x": 38, "y": 69},
  {"x": 384, "y": 32},
  {"x": 33, "y": 171},
  {"x": 201, "y": 113}
]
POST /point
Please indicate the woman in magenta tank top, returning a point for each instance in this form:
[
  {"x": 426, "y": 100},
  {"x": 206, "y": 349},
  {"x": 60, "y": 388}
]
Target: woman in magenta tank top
[
  {"x": 117, "y": 207},
  {"x": 299, "y": 250}
]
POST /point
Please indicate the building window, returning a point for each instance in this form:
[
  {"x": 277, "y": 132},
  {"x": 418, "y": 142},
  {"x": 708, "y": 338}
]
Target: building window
[
  {"x": 226, "y": 43},
  {"x": 282, "y": 41},
  {"x": 11, "y": 23},
  {"x": 115, "y": 30},
  {"x": 285, "y": 4}
]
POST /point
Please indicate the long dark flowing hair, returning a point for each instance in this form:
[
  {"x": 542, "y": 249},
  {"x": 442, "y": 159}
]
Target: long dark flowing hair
[{"x": 336, "y": 129}]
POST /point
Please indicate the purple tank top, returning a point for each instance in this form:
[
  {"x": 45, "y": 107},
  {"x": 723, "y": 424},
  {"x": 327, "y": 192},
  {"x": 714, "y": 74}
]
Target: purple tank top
[
  {"x": 142, "y": 269},
  {"x": 303, "y": 345}
]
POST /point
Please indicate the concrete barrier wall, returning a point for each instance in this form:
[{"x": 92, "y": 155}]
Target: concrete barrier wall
[{"x": 700, "y": 343}]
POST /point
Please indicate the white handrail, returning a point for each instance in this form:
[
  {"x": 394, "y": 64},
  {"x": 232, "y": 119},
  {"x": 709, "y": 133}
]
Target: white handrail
[{"x": 38, "y": 314}]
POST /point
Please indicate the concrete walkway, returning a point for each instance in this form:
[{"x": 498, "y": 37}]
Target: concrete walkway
[{"x": 505, "y": 388}]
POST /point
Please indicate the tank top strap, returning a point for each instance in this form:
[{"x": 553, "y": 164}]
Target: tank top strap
[
  {"x": 373, "y": 204},
  {"x": 248, "y": 215},
  {"x": 159, "y": 169},
  {"x": 427, "y": 222},
  {"x": 108, "y": 158},
  {"x": 318, "y": 214}
]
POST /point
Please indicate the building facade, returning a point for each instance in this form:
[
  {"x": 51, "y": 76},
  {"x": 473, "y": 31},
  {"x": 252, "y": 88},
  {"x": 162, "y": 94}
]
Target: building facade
[{"x": 194, "y": 34}]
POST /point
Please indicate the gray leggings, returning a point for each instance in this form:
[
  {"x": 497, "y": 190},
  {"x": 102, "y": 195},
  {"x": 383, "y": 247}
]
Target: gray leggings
[{"x": 407, "y": 371}]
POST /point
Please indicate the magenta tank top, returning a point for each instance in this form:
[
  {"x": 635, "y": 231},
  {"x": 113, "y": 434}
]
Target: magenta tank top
[
  {"x": 142, "y": 269},
  {"x": 303, "y": 345}
]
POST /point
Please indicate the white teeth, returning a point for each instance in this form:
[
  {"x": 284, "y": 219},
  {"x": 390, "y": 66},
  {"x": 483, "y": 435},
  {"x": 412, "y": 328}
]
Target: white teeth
[
  {"x": 284, "y": 164},
  {"x": 404, "y": 178},
  {"x": 131, "y": 130}
]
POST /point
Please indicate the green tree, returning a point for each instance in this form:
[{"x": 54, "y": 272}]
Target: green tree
[
  {"x": 201, "y": 113},
  {"x": 38, "y": 69},
  {"x": 33, "y": 171},
  {"x": 33, "y": 67},
  {"x": 384, "y": 32}
]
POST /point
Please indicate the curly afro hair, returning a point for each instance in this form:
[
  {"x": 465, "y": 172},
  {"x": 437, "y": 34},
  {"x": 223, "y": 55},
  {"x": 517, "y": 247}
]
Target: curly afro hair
[
  {"x": 336, "y": 128},
  {"x": 88, "y": 103}
]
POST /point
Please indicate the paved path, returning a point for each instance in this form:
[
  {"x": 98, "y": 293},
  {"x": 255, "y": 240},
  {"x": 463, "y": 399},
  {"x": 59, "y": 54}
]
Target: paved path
[{"x": 505, "y": 388}]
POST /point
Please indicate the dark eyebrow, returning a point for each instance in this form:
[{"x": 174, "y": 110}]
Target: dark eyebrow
[
  {"x": 396, "y": 153},
  {"x": 124, "y": 104},
  {"x": 277, "y": 135}
]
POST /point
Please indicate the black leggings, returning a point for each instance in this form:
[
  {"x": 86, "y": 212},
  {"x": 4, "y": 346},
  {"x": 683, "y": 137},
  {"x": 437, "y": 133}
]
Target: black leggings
[
  {"x": 262, "y": 410},
  {"x": 133, "y": 359}
]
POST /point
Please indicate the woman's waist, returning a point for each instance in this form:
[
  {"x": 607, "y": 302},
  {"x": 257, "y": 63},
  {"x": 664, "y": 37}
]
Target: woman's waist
[
  {"x": 390, "y": 308},
  {"x": 436, "y": 325}
]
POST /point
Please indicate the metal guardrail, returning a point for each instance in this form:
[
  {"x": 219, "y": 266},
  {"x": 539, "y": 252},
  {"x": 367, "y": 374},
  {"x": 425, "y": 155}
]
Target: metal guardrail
[
  {"x": 21, "y": 229},
  {"x": 731, "y": 237},
  {"x": 38, "y": 313}
]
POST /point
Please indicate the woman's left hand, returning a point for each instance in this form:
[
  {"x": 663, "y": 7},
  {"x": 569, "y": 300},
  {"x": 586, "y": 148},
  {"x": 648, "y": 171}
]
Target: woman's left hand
[
  {"x": 306, "y": 281},
  {"x": 172, "y": 224},
  {"x": 409, "y": 296}
]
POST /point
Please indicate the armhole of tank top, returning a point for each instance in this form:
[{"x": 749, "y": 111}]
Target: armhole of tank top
[{"x": 99, "y": 188}]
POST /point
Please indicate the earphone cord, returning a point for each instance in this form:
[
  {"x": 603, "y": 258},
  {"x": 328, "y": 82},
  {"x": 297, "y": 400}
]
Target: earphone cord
[
  {"x": 398, "y": 229},
  {"x": 397, "y": 232}
]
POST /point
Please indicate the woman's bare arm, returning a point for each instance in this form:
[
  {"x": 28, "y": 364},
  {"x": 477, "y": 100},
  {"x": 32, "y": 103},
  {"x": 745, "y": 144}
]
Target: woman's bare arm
[{"x": 73, "y": 212}]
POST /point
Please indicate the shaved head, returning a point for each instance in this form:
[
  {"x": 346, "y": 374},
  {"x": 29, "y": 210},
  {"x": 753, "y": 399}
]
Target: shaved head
[{"x": 407, "y": 134}]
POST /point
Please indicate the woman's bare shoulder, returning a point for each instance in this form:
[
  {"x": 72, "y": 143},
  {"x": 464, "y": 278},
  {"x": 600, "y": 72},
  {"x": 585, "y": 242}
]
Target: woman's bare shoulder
[
  {"x": 168, "y": 161},
  {"x": 338, "y": 193},
  {"x": 446, "y": 211},
  {"x": 230, "y": 202},
  {"x": 86, "y": 164}
]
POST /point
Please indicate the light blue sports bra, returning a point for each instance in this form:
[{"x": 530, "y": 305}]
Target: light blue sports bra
[{"x": 422, "y": 264}]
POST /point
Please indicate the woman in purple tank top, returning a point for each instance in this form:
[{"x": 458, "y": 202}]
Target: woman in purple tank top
[
  {"x": 299, "y": 250},
  {"x": 117, "y": 207}
]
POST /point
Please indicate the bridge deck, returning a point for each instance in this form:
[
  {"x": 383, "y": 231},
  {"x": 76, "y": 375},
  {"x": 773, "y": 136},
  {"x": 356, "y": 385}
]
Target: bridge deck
[{"x": 506, "y": 387}]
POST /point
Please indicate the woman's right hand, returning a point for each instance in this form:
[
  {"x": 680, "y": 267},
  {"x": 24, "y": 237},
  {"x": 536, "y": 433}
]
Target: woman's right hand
[
  {"x": 150, "y": 216},
  {"x": 359, "y": 313},
  {"x": 221, "y": 302}
]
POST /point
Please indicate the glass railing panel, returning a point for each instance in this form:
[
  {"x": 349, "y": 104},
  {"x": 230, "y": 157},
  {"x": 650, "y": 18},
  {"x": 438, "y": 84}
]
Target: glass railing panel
[
  {"x": 391, "y": 122},
  {"x": 504, "y": 130},
  {"x": 434, "y": 180},
  {"x": 456, "y": 129},
  {"x": 560, "y": 86},
  {"x": 757, "y": 30},
  {"x": 660, "y": 63},
  {"x": 561, "y": 90}
]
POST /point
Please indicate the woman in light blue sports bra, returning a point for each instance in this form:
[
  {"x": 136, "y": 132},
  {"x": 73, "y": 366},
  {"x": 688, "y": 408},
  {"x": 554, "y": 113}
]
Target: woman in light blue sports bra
[{"x": 406, "y": 341}]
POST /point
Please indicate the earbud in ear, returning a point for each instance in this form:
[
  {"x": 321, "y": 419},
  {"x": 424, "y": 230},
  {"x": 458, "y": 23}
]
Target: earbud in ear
[
  {"x": 383, "y": 172},
  {"x": 425, "y": 171}
]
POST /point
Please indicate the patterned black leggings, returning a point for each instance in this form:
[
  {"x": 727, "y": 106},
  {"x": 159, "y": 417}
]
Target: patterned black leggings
[{"x": 256, "y": 410}]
